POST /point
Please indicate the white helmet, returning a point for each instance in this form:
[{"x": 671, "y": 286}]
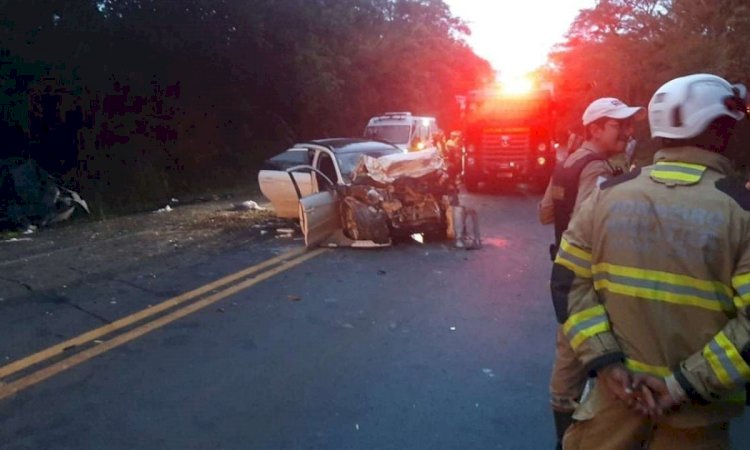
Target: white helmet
[{"x": 684, "y": 107}]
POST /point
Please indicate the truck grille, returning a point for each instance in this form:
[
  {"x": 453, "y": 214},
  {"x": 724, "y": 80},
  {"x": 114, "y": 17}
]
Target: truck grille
[{"x": 502, "y": 148}]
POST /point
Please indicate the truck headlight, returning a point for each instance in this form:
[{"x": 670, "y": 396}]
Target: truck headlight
[
  {"x": 470, "y": 148},
  {"x": 542, "y": 147},
  {"x": 471, "y": 161},
  {"x": 541, "y": 160}
]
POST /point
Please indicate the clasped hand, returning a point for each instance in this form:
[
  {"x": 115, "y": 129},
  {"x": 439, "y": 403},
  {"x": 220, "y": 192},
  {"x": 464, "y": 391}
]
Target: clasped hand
[{"x": 646, "y": 394}]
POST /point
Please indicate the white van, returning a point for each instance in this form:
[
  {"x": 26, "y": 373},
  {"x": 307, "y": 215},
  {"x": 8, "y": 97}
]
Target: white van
[{"x": 408, "y": 132}]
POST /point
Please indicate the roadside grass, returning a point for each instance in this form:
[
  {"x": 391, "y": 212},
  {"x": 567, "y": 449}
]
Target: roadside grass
[{"x": 7, "y": 235}]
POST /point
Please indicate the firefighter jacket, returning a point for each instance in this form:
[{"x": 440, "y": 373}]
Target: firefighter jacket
[{"x": 654, "y": 271}]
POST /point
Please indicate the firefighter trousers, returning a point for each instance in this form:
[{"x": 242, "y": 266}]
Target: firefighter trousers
[
  {"x": 568, "y": 377},
  {"x": 612, "y": 425}
]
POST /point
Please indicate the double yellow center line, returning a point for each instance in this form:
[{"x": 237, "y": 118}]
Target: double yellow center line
[{"x": 227, "y": 286}]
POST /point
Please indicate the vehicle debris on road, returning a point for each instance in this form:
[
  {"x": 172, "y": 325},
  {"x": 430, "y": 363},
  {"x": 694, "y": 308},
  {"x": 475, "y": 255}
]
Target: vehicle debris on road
[
  {"x": 249, "y": 205},
  {"x": 30, "y": 197}
]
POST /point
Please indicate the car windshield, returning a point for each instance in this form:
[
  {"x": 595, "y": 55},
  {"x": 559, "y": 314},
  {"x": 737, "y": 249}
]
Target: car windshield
[
  {"x": 397, "y": 134},
  {"x": 348, "y": 161}
]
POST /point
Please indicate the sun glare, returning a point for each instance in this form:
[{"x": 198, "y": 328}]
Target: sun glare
[
  {"x": 515, "y": 37},
  {"x": 517, "y": 85}
]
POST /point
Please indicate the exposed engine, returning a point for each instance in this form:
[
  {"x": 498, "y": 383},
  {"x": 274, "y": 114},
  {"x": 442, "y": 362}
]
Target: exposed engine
[{"x": 411, "y": 195}]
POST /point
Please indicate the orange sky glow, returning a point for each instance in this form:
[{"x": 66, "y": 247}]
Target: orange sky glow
[{"x": 516, "y": 35}]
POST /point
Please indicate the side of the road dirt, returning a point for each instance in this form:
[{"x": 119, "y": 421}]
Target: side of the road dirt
[{"x": 59, "y": 255}]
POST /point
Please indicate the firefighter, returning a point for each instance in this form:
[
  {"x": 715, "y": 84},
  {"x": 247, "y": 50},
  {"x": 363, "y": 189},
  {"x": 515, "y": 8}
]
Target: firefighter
[
  {"x": 608, "y": 126},
  {"x": 453, "y": 150},
  {"x": 652, "y": 283}
]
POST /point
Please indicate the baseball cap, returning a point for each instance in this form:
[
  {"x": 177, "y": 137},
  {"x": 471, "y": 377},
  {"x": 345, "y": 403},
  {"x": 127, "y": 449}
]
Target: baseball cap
[{"x": 612, "y": 108}]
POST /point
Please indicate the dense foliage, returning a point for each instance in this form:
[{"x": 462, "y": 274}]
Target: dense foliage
[
  {"x": 133, "y": 101},
  {"x": 136, "y": 101},
  {"x": 628, "y": 48}
]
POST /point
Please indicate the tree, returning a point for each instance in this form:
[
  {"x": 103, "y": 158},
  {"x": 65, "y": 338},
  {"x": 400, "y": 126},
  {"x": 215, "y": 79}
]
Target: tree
[
  {"x": 627, "y": 48},
  {"x": 187, "y": 95}
]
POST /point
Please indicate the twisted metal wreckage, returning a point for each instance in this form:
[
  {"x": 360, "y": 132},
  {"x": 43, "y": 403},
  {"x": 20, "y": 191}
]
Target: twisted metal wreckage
[
  {"x": 30, "y": 197},
  {"x": 391, "y": 197}
]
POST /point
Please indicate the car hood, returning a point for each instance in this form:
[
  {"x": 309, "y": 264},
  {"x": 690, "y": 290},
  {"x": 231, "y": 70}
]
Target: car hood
[{"x": 388, "y": 169}]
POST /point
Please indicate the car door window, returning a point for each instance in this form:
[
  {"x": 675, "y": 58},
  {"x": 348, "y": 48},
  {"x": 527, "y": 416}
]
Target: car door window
[
  {"x": 325, "y": 165},
  {"x": 290, "y": 158}
]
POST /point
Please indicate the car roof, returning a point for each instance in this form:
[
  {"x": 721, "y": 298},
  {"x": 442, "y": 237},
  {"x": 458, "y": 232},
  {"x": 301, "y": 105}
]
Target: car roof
[
  {"x": 352, "y": 145},
  {"x": 394, "y": 118}
]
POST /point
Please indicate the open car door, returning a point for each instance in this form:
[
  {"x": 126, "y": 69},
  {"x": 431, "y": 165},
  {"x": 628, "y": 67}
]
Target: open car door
[
  {"x": 275, "y": 186},
  {"x": 319, "y": 216}
]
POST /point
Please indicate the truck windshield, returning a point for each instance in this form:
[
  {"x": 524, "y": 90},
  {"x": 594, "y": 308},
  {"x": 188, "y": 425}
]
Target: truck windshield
[
  {"x": 509, "y": 108},
  {"x": 396, "y": 134}
]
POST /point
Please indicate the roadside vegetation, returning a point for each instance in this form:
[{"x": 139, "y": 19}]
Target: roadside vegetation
[
  {"x": 133, "y": 102},
  {"x": 628, "y": 48}
]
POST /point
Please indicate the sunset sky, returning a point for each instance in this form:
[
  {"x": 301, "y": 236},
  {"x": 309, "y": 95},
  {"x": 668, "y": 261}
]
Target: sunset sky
[{"x": 516, "y": 35}]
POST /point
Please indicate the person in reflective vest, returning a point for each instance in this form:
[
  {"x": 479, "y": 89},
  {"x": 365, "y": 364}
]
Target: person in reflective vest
[
  {"x": 609, "y": 124},
  {"x": 651, "y": 283}
]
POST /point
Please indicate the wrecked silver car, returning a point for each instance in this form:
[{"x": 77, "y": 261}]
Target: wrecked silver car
[{"x": 389, "y": 197}]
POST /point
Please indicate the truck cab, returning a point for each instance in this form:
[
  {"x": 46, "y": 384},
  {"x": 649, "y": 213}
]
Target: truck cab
[
  {"x": 408, "y": 132},
  {"x": 508, "y": 138}
]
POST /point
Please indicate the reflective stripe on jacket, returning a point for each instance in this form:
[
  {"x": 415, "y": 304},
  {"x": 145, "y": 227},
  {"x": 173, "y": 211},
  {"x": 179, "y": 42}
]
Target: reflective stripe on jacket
[{"x": 654, "y": 270}]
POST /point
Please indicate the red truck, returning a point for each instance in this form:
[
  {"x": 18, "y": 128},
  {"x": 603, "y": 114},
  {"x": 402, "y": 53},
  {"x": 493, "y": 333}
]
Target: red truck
[{"x": 508, "y": 137}]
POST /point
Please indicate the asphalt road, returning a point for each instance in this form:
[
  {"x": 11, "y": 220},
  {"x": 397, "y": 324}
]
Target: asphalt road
[{"x": 416, "y": 346}]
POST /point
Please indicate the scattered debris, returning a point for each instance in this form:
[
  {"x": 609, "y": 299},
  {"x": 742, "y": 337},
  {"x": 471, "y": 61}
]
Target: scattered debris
[
  {"x": 294, "y": 298},
  {"x": 284, "y": 233},
  {"x": 31, "y": 197},
  {"x": 238, "y": 220},
  {"x": 163, "y": 210},
  {"x": 16, "y": 239},
  {"x": 248, "y": 205}
]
